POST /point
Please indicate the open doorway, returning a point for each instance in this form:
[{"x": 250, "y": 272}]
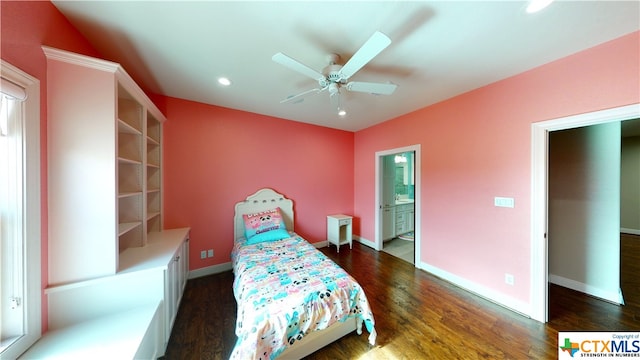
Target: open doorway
[
  {"x": 398, "y": 205},
  {"x": 540, "y": 200},
  {"x": 397, "y": 212},
  {"x": 584, "y": 172}
]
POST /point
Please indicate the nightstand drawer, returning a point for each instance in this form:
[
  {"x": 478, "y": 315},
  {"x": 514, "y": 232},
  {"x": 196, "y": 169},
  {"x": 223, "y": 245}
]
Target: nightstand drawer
[{"x": 345, "y": 221}]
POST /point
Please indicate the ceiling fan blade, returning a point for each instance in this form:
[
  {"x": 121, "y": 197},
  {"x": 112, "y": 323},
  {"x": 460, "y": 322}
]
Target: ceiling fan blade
[
  {"x": 376, "y": 43},
  {"x": 295, "y": 65},
  {"x": 301, "y": 95},
  {"x": 371, "y": 88}
]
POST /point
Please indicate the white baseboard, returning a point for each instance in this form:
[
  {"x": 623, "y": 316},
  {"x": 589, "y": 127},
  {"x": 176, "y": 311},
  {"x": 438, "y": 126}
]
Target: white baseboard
[
  {"x": 321, "y": 244},
  {"x": 210, "y": 270},
  {"x": 480, "y": 290},
  {"x": 630, "y": 231},
  {"x": 491, "y": 295},
  {"x": 364, "y": 241},
  {"x": 612, "y": 296}
]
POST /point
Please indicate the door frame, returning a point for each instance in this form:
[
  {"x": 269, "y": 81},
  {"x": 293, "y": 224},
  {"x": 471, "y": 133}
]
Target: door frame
[
  {"x": 417, "y": 194},
  {"x": 539, "y": 194}
]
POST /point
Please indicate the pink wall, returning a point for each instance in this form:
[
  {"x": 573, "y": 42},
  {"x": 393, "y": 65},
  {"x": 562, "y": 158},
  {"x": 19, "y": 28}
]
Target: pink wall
[
  {"x": 25, "y": 27},
  {"x": 477, "y": 146},
  {"x": 474, "y": 147},
  {"x": 215, "y": 157}
]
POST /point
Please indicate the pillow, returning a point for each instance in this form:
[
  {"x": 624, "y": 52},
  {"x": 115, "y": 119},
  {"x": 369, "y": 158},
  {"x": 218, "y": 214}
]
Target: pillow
[
  {"x": 264, "y": 226},
  {"x": 272, "y": 235}
]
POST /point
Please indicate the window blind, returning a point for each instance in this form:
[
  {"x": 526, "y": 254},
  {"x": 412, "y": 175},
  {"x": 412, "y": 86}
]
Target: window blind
[{"x": 14, "y": 91}]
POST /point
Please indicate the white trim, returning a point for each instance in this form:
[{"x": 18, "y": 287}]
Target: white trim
[
  {"x": 210, "y": 270},
  {"x": 614, "y": 297},
  {"x": 539, "y": 158},
  {"x": 12, "y": 90},
  {"x": 108, "y": 66},
  {"x": 377, "y": 243},
  {"x": 32, "y": 204},
  {"x": 364, "y": 241},
  {"x": 78, "y": 59},
  {"x": 630, "y": 231},
  {"x": 484, "y": 292}
]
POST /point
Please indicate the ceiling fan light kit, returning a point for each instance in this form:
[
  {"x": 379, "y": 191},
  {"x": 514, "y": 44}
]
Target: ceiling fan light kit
[{"x": 335, "y": 76}]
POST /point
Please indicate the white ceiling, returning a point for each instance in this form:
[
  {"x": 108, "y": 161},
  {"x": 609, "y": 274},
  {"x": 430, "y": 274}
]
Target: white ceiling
[{"x": 439, "y": 49}]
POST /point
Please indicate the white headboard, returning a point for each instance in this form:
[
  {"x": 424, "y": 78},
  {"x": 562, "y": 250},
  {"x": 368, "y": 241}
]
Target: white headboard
[{"x": 263, "y": 199}]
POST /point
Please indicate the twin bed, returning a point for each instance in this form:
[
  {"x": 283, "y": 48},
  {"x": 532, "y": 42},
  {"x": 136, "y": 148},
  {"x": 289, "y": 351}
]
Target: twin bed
[{"x": 292, "y": 300}]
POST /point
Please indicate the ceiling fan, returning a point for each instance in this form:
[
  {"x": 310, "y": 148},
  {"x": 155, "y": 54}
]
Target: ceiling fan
[{"x": 335, "y": 77}]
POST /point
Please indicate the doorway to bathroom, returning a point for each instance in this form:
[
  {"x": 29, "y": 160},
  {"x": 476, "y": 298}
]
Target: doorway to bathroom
[{"x": 397, "y": 202}]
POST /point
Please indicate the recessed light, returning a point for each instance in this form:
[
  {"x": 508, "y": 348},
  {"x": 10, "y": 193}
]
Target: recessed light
[
  {"x": 537, "y": 5},
  {"x": 342, "y": 112},
  {"x": 224, "y": 81}
]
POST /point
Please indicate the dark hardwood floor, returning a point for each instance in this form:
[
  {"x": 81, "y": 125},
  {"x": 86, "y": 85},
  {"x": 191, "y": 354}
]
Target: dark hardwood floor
[{"x": 418, "y": 316}]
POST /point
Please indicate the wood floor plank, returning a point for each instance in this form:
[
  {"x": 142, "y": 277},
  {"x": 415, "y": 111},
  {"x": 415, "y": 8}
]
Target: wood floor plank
[{"x": 418, "y": 316}]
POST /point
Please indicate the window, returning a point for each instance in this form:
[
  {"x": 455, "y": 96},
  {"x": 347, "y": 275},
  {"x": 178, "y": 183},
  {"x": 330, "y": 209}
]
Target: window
[{"x": 20, "y": 229}]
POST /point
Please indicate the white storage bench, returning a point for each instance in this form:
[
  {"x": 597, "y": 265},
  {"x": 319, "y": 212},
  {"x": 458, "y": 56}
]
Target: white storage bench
[{"x": 131, "y": 334}]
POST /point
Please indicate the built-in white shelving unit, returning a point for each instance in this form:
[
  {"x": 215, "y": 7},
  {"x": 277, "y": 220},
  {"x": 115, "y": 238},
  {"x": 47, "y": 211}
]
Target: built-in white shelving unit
[
  {"x": 105, "y": 166},
  {"x": 108, "y": 251}
]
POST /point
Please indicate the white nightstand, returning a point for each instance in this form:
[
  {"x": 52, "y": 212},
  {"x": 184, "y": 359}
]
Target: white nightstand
[{"x": 339, "y": 230}]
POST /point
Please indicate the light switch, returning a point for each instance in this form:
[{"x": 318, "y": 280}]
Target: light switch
[{"x": 504, "y": 202}]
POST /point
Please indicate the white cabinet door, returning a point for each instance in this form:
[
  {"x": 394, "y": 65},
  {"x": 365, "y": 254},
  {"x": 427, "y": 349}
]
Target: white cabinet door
[
  {"x": 401, "y": 220},
  {"x": 183, "y": 271},
  {"x": 175, "y": 280},
  {"x": 388, "y": 181},
  {"x": 388, "y": 222},
  {"x": 411, "y": 214}
]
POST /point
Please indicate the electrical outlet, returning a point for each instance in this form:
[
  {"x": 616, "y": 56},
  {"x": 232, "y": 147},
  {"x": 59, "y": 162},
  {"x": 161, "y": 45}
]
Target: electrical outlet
[
  {"x": 203, "y": 254},
  {"x": 210, "y": 253},
  {"x": 509, "y": 279}
]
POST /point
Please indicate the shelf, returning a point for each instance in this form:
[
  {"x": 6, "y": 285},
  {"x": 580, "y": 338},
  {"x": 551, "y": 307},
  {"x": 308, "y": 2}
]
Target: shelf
[
  {"x": 151, "y": 215},
  {"x": 129, "y": 161},
  {"x": 153, "y": 129},
  {"x": 129, "y": 109},
  {"x": 129, "y": 146},
  {"x": 152, "y": 141},
  {"x": 123, "y": 127},
  {"x": 124, "y": 228},
  {"x": 129, "y": 178},
  {"x": 160, "y": 249},
  {"x": 128, "y": 194},
  {"x": 153, "y": 156},
  {"x": 153, "y": 178},
  {"x": 123, "y": 135}
]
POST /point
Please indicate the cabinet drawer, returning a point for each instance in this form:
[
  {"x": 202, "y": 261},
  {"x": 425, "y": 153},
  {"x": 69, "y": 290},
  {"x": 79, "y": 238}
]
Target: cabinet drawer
[{"x": 344, "y": 222}]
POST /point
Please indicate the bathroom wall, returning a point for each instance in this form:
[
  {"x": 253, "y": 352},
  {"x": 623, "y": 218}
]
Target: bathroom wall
[{"x": 630, "y": 185}]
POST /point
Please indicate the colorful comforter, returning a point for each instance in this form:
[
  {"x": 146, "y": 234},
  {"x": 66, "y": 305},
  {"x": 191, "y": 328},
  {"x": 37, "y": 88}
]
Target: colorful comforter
[{"x": 287, "y": 289}]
